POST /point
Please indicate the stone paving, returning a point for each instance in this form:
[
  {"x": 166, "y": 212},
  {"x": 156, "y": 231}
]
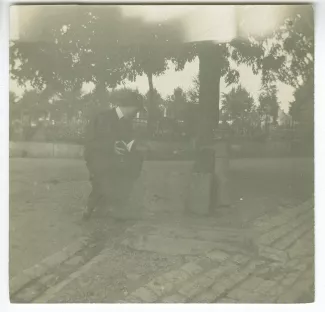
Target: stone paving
[
  {"x": 280, "y": 269},
  {"x": 281, "y": 272}
]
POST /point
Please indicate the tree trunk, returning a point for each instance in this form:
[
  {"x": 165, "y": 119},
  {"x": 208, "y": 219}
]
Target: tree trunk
[
  {"x": 210, "y": 57},
  {"x": 101, "y": 94},
  {"x": 151, "y": 108},
  {"x": 267, "y": 124}
]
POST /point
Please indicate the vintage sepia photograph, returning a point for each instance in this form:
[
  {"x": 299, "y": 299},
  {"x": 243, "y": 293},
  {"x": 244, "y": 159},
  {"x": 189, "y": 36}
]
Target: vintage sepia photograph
[{"x": 161, "y": 153}]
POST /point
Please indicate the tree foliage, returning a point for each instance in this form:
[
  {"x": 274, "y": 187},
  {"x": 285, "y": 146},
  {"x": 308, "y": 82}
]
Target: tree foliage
[
  {"x": 13, "y": 105},
  {"x": 178, "y": 104},
  {"x": 237, "y": 105},
  {"x": 269, "y": 104},
  {"x": 89, "y": 44},
  {"x": 32, "y": 105},
  {"x": 157, "y": 98},
  {"x": 302, "y": 107},
  {"x": 286, "y": 55},
  {"x": 65, "y": 59},
  {"x": 125, "y": 95},
  {"x": 193, "y": 93}
]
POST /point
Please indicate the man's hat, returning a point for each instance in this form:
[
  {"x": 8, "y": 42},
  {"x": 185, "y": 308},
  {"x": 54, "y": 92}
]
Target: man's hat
[
  {"x": 137, "y": 104},
  {"x": 128, "y": 97}
]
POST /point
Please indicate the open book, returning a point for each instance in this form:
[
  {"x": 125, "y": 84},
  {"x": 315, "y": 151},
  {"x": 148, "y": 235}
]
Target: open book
[
  {"x": 129, "y": 145},
  {"x": 122, "y": 144}
]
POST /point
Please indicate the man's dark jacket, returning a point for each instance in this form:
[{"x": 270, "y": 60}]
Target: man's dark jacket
[{"x": 102, "y": 132}]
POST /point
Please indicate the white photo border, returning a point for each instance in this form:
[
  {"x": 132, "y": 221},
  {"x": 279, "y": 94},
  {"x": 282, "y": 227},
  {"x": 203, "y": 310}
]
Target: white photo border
[{"x": 319, "y": 175}]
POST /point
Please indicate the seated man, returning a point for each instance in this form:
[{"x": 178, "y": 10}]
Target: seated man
[{"x": 111, "y": 156}]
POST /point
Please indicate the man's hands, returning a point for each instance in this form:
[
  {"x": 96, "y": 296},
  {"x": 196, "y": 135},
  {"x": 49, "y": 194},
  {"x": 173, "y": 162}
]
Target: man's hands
[{"x": 121, "y": 148}]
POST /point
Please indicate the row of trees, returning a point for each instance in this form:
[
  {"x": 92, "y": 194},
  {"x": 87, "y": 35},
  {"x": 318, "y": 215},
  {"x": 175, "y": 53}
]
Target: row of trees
[
  {"x": 73, "y": 110},
  {"x": 101, "y": 46}
]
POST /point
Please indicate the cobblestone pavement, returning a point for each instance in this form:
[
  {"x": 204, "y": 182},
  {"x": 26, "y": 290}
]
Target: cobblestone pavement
[{"x": 282, "y": 271}]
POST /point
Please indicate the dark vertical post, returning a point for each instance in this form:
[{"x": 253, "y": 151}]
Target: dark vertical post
[
  {"x": 209, "y": 75},
  {"x": 151, "y": 108},
  {"x": 209, "y": 186}
]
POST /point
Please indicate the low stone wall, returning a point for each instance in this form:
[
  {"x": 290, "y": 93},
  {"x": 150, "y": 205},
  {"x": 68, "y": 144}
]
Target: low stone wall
[
  {"x": 155, "y": 150},
  {"x": 260, "y": 149},
  {"x": 158, "y": 150},
  {"x": 44, "y": 150}
]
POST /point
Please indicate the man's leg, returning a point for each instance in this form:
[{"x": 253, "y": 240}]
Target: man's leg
[
  {"x": 124, "y": 182},
  {"x": 122, "y": 190},
  {"x": 116, "y": 187},
  {"x": 96, "y": 197}
]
